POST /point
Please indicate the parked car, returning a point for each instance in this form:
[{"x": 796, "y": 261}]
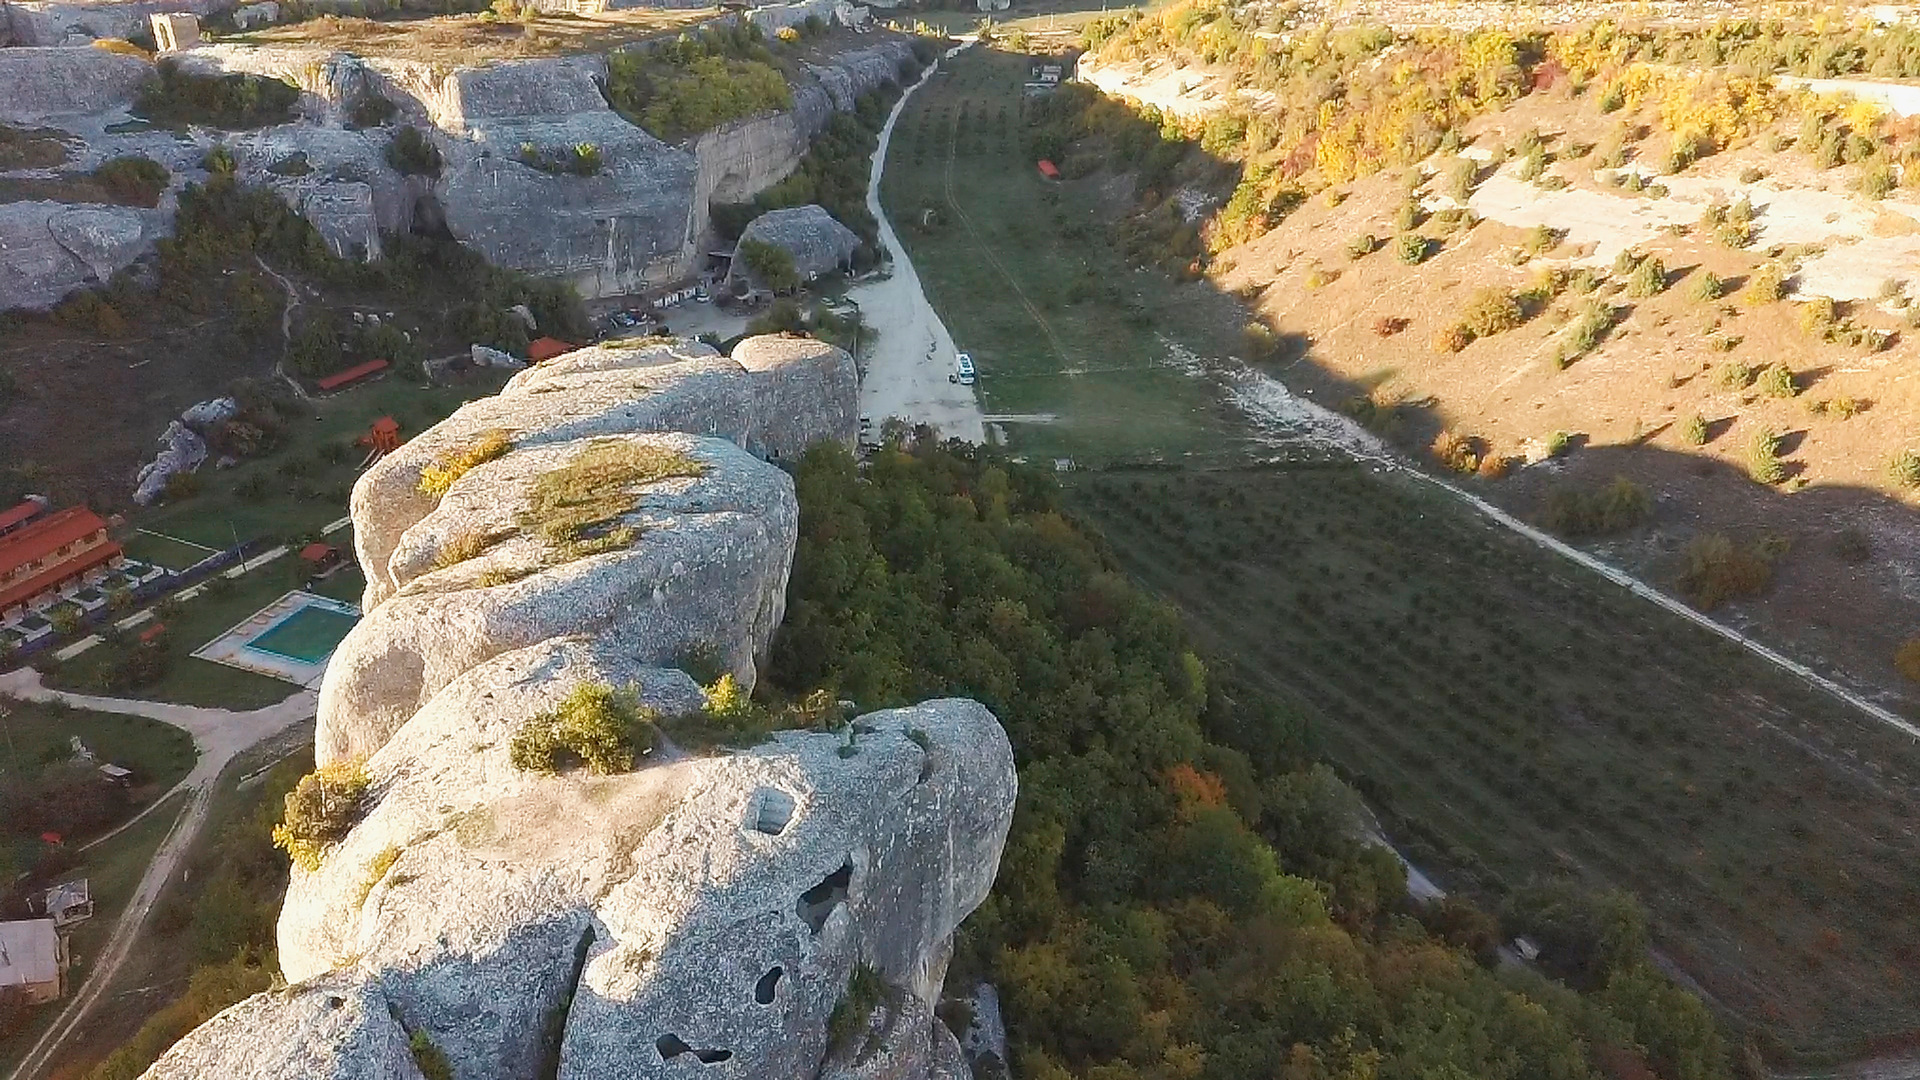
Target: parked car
[
  {"x": 701, "y": 295},
  {"x": 964, "y": 365}
]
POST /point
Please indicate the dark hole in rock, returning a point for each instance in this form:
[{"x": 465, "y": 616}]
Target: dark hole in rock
[
  {"x": 763, "y": 990},
  {"x": 773, "y": 809},
  {"x": 672, "y": 1046},
  {"x": 818, "y": 902}
]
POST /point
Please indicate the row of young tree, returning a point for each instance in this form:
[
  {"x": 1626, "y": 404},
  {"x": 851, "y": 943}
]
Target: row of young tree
[{"x": 1187, "y": 891}]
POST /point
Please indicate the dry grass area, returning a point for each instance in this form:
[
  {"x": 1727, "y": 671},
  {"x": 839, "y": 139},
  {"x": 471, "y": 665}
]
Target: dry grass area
[
  {"x": 470, "y": 39},
  {"x": 1673, "y": 367}
]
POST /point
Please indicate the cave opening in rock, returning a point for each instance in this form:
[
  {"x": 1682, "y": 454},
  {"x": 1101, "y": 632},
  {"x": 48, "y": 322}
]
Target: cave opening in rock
[
  {"x": 672, "y": 1046},
  {"x": 772, "y": 810},
  {"x": 764, "y": 989},
  {"x": 818, "y": 902}
]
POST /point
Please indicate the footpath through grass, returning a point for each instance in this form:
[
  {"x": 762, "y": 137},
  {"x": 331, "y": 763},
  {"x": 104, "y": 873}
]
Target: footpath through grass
[
  {"x": 1024, "y": 274},
  {"x": 1515, "y": 716}
]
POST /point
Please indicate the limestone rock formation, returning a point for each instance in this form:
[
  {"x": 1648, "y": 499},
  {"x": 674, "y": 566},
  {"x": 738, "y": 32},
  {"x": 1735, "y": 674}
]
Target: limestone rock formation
[
  {"x": 818, "y": 243},
  {"x": 48, "y": 82},
  {"x": 696, "y": 916},
  {"x": 49, "y": 249}
]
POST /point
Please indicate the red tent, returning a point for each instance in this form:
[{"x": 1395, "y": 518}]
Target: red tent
[{"x": 1049, "y": 170}]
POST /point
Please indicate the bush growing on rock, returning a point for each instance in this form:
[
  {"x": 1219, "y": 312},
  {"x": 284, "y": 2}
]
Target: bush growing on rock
[
  {"x": 1776, "y": 381},
  {"x": 596, "y": 726},
  {"x": 133, "y": 180},
  {"x": 1693, "y": 431},
  {"x": 1767, "y": 285},
  {"x": 574, "y": 508},
  {"x": 232, "y": 102},
  {"x": 1705, "y": 286},
  {"x": 1763, "y": 457},
  {"x": 320, "y": 810},
  {"x": 412, "y": 153},
  {"x": 439, "y": 477},
  {"x": 1410, "y": 248},
  {"x": 1649, "y": 278},
  {"x": 853, "y": 1015},
  {"x": 1906, "y": 468}
]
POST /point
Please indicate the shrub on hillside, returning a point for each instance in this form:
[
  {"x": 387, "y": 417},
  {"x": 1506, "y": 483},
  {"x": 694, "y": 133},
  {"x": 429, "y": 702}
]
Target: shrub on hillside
[
  {"x": 595, "y": 725},
  {"x": 232, "y": 102},
  {"x": 1410, "y": 248},
  {"x": 1906, "y": 468},
  {"x": 1693, "y": 431},
  {"x": 411, "y": 152},
  {"x": 1768, "y": 284},
  {"x": 1362, "y": 246},
  {"x": 1776, "y": 381},
  {"x": 1491, "y": 311},
  {"x": 320, "y": 810},
  {"x": 1763, "y": 457},
  {"x": 1705, "y": 286},
  {"x": 1649, "y": 278},
  {"x": 133, "y": 180},
  {"x": 1718, "y": 570},
  {"x": 1907, "y": 659},
  {"x": 1614, "y": 507}
]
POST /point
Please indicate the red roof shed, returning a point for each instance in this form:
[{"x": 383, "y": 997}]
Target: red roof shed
[
  {"x": 318, "y": 552},
  {"x": 546, "y": 348},
  {"x": 353, "y": 374},
  {"x": 1049, "y": 170}
]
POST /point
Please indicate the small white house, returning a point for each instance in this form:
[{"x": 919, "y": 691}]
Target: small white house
[{"x": 33, "y": 960}]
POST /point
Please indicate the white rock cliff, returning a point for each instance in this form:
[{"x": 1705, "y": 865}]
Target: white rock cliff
[{"x": 698, "y": 916}]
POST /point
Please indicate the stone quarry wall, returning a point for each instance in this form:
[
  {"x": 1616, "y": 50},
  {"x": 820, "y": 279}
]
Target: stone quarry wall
[
  {"x": 700, "y": 915},
  {"x": 49, "y": 22}
]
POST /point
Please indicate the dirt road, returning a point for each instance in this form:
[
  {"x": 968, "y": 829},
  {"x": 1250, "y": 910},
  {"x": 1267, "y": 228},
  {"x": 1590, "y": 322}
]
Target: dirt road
[
  {"x": 912, "y": 354},
  {"x": 219, "y": 735}
]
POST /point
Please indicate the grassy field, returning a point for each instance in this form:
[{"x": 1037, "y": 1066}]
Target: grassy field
[
  {"x": 1023, "y": 273},
  {"x": 34, "y": 732},
  {"x": 113, "y": 869},
  {"x": 1513, "y": 715},
  {"x": 303, "y": 486},
  {"x": 188, "y": 679}
]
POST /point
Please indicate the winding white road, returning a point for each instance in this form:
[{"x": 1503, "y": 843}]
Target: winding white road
[{"x": 912, "y": 353}]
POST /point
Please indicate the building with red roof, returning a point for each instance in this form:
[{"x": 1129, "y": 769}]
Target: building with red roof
[
  {"x": 351, "y": 375},
  {"x": 30, "y": 507},
  {"x": 1049, "y": 170},
  {"x": 51, "y": 552}
]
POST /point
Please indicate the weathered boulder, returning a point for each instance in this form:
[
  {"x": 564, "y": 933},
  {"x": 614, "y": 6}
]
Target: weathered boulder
[
  {"x": 337, "y": 1029},
  {"x": 47, "y": 82},
  {"x": 337, "y": 179},
  {"x": 818, "y": 243},
  {"x": 704, "y": 574},
  {"x": 63, "y": 23},
  {"x": 49, "y": 249},
  {"x": 775, "y": 397}
]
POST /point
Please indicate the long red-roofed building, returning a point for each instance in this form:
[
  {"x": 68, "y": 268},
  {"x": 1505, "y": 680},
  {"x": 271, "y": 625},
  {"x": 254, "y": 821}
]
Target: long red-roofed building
[{"x": 51, "y": 552}]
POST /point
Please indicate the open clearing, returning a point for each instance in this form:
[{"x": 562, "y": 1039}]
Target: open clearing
[
  {"x": 1512, "y": 715},
  {"x": 1023, "y": 270},
  {"x": 453, "y": 40}
]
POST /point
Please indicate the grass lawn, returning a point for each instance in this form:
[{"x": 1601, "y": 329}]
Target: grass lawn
[
  {"x": 1024, "y": 274},
  {"x": 301, "y": 489},
  {"x": 36, "y": 732},
  {"x": 165, "y": 551},
  {"x": 348, "y": 584},
  {"x": 190, "y": 680},
  {"x": 1513, "y": 715},
  {"x": 113, "y": 870}
]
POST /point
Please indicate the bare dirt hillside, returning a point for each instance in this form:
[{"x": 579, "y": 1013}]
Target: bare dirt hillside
[{"x": 1677, "y": 359}]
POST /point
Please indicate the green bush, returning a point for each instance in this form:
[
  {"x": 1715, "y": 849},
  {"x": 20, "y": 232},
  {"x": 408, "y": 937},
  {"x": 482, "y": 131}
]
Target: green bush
[
  {"x": 1777, "y": 381},
  {"x": 1693, "y": 431},
  {"x": 595, "y": 725},
  {"x": 1361, "y": 246},
  {"x": 1705, "y": 286},
  {"x": 1616, "y": 507},
  {"x": 1649, "y": 278},
  {"x": 853, "y": 1013},
  {"x": 1906, "y": 468},
  {"x": 133, "y": 180},
  {"x": 696, "y": 82},
  {"x": 1763, "y": 457},
  {"x": 232, "y": 102},
  {"x": 429, "y": 1057},
  {"x": 1491, "y": 311},
  {"x": 412, "y": 153},
  {"x": 320, "y": 810},
  {"x": 1718, "y": 570},
  {"x": 1410, "y": 248},
  {"x": 772, "y": 264},
  {"x": 370, "y": 110}
]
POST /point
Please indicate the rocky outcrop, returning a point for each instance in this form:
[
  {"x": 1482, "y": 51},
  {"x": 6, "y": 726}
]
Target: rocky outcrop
[
  {"x": 773, "y": 397},
  {"x": 49, "y": 249},
  {"x": 817, "y": 242},
  {"x": 43, "y": 83},
  {"x": 57, "y": 22},
  {"x": 699, "y": 915}
]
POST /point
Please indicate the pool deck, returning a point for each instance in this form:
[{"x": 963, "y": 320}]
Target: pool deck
[{"x": 232, "y": 648}]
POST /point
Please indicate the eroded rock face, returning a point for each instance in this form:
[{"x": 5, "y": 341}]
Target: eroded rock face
[
  {"x": 774, "y": 398},
  {"x": 697, "y": 916},
  {"x": 49, "y": 249}
]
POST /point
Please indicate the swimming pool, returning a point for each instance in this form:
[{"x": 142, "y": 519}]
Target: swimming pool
[{"x": 308, "y": 636}]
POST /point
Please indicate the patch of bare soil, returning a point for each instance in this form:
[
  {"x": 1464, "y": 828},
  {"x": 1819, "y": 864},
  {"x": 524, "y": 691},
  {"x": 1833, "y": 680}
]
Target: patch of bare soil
[{"x": 1371, "y": 325}]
